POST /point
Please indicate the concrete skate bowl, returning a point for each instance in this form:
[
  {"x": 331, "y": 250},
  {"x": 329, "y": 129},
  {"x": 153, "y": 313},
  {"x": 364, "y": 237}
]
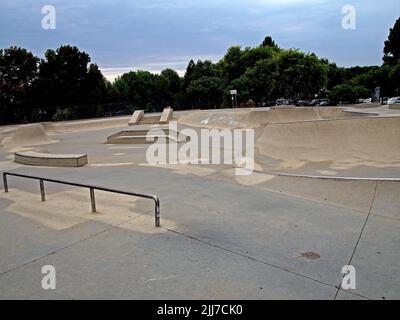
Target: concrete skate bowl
[
  {"x": 27, "y": 136},
  {"x": 331, "y": 146},
  {"x": 255, "y": 118}
]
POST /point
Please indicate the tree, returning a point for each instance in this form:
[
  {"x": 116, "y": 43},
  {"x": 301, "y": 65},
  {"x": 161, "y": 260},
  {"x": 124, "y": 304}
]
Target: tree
[
  {"x": 335, "y": 76},
  {"x": 199, "y": 70},
  {"x": 138, "y": 88},
  {"x": 268, "y": 42},
  {"x": 300, "y": 75},
  {"x": 173, "y": 85},
  {"x": 67, "y": 80},
  {"x": 93, "y": 87},
  {"x": 61, "y": 76},
  {"x": 206, "y": 92},
  {"x": 251, "y": 56},
  {"x": 392, "y": 45},
  {"x": 174, "y": 81},
  {"x": 347, "y": 93},
  {"x": 18, "y": 70},
  {"x": 259, "y": 83},
  {"x": 232, "y": 64}
]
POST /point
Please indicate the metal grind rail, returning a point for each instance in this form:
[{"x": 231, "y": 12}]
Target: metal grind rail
[{"x": 90, "y": 187}]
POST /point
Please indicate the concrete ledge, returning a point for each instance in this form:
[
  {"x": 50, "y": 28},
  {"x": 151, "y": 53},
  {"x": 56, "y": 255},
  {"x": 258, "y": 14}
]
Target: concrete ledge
[
  {"x": 136, "y": 117},
  {"x": 394, "y": 106},
  {"x": 147, "y": 136},
  {"x": 33, "y": 158}
]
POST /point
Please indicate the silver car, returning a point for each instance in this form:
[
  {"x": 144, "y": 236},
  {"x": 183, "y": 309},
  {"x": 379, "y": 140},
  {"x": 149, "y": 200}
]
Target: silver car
[{"x": 394, "y": 100}]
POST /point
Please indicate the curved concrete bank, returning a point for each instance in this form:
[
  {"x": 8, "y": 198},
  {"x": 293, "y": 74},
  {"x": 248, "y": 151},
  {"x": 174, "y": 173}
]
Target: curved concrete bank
[
  {"x": 50, "y": 160},
  {"x": 254, "y": 118},
  {"x": 374, "y": 139},
  {"x": 27, "y": 135},
  {"x": 376, "y": 195}
]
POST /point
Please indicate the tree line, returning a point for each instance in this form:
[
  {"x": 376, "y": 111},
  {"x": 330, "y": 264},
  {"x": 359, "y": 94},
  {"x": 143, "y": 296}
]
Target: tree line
[{"x": 66, "y": 85}]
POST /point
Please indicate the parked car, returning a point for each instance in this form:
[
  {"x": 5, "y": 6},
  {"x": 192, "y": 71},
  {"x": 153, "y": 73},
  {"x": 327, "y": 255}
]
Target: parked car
[
  {"x": 394, "y": 100},
  {"x": 301, "y": 103},
  {"x": 369, "y": 100},
  {"x": 325, "y": 103},
  {"x": 316, "y": 102},
  {"x": 282, "y": 102}
]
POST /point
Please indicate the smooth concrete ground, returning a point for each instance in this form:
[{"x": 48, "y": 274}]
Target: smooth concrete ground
[{"x": 221, "y": 237}]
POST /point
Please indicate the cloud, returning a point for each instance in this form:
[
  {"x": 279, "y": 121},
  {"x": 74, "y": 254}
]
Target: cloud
[{"x": 155, "y": 34}]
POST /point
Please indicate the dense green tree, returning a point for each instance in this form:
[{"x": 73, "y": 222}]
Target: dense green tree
[
  {"x": 174, "y": 81},
  {"x": 336, "y": 75},
  {"x": 137, "y": 88},
  {"x": 288, "y": 74},
  {"x": 173, "y": 86},
  {"x": 259, "y": 83},
  {"x": 346, "y": 93},
  {"x": 199, "y": 70},
  {"x": 206, "y": 92},
  {"x": 301, "y": 75},
  {"x": 232, "y": 64},
  {"x": 251, "y": 56},
  {"x": 93, "y": 88},
  {"x": 392, "y": 45},
  {"x": 18, "y": 70},
  {"x": 268, "y": 42},
  {"x": 63, "y": 72}
]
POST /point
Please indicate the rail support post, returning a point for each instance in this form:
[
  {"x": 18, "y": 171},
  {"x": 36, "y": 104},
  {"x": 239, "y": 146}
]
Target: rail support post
[
  {"x": 92, "y": 200},
  {"x": 157, "y": 212},
  {"x": 5, "y": 182},
  {"x": 42, "y": 194}
]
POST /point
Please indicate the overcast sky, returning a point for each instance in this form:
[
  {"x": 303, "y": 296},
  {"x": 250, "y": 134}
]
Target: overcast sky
[{"x": 121, "y": 35}]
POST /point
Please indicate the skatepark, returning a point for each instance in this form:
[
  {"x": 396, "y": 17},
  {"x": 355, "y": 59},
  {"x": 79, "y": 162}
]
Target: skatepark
[{"x": 324, "y": 194}]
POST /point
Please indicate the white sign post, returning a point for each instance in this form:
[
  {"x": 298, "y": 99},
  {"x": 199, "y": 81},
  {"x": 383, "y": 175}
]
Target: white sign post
[{"x": 234, "y": 98}]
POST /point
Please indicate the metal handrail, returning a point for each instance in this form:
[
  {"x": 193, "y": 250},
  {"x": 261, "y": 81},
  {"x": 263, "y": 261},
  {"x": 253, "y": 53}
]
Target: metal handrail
[{"x": 90, "y": 187}]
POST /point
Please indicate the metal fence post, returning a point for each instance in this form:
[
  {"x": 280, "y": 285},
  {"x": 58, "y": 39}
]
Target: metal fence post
[
  {"x": 93, "y": 200},
  {"x": 5, "y": 182},
  {"x": 42, "y": 194},
  {"x": 157, "y": 212}
]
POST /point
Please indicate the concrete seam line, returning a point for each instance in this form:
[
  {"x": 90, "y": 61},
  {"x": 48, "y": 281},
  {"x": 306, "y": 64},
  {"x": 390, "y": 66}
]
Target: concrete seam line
[
  {"x": 246, "y": 256},
  {"x": 362, "y": 231},
  {"x": 257, "y": 260}
]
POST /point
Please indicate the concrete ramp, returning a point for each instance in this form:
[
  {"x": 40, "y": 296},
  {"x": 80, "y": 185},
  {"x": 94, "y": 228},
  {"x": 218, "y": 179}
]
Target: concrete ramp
[
  {"x": 166, "y": 116},
  {"x": 136, "y": 117},
  {"x": 139, "y": 117},
  {"x": 28, "y": 135},
  {"x": 51, "y": 160}
]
